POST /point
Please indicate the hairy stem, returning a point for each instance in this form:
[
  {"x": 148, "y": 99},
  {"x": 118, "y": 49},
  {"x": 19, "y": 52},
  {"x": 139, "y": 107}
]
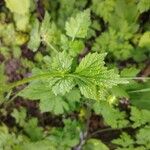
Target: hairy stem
[{"x": 32, "y": 78}]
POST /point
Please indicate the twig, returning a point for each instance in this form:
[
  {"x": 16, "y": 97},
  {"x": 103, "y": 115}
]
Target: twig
[{"x": 106, "y": 130}]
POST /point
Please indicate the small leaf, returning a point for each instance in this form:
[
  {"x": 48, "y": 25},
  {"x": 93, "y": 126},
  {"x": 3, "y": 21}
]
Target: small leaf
[
  {"x": 78, "y": 26},
  {"x": 145, "y": 40},
  {"x": 94, "y": 144},
  {"x": 19, "y": 116},
  {"x": 32, "y": 130},
  {"x": 49, "y": 32},
  {"x": 130, "y": 72},
  {"x": 124, "y": 141},
  {"x": 62, "y": 62}
]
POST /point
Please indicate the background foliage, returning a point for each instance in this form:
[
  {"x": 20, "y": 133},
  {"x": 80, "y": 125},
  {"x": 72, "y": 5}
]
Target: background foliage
[{"x": 74, "y": 74}]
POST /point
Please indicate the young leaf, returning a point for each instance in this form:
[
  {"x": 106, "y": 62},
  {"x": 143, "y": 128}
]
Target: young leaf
[
  {"x": 49, "y": 31},
  {"x": 77, "y": 27},
  {"x": 94, "y": 144},
  {"x": 62, "y": 62}
]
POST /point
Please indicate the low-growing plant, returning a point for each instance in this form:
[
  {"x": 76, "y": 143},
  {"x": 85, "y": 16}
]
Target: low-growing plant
[{"x": 77, "y": 51}]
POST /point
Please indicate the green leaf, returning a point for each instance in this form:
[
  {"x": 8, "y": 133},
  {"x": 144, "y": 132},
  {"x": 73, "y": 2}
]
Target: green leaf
[
  {"x": 49, "y": 32},
  {"x": 130, "y": 72},
  {"x": 32, "y": 130},
  {"x": 143, "y": 137},
  {"x": 88, "y": 89},
  {"x": 75, "y": 47},
  {"x": 74, "y": 95},
  {"x": 145, "y": 40},
  {"x": 62, "y": 62},
  {"x": 124, "y": 141},
  {"x": 21, "y": 21},
  {"x": 48, "y": 101},
  {"x": 141, "y": 97},
  {"x": 112, "y": 116},
  {"x": 63, "y": 85},
  {"x": 18, "y": 6},
  {"x": 94, "y": 77},
  {"x": 36, "y": 90},
  {"x": 3, "y": 86},
  {"x": 91, "y": 64},
  {"x": 94, "y": 144},
  {"x": 111, "y": 41},
  {"x": 39, "y": 145},
  {"x": 19, "y": 116},
  {"x": 45, "y": 23},
  {"x": 35, "y": 40},
  {"x": 72, "y": 47},
  {"x": 55, "y": 104},
  {"x": 77, "y": 27},
  {"x": 143, "y": 5},
  {"x": 139, "y": 117},
  {"x": 8, "y": 140},
  {"x": 67, "y": 137},
  {"x": 103, "y": 8}
]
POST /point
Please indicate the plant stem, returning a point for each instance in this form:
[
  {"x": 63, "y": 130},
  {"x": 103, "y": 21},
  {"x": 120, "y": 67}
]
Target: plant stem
[
  {"x": 136, "y": 78},
  {"x": 32, "y": 78},
  {"x": 106, "y": 130},
  {"x": 38, "y": 77},
  {"x": 141, "y": 90}
]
